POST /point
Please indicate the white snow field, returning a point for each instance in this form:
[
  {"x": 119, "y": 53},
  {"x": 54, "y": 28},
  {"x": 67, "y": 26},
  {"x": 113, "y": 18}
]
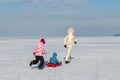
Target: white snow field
[{"x": 93, "y": 58}]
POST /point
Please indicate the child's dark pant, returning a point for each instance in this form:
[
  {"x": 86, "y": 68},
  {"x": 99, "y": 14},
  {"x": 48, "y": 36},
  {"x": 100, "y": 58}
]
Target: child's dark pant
[{"x": 37, "y": 59}]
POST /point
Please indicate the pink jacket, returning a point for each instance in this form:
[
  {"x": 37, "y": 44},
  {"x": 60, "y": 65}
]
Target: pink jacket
[{"x": 39, "y": 50}]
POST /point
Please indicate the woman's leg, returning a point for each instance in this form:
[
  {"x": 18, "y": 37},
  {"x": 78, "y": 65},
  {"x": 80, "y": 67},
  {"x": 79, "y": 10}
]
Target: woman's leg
[{"x": 68, "y": 54}]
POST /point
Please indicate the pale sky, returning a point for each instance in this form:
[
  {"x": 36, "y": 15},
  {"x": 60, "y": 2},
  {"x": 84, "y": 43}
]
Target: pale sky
[{"x": 53, "y": 17}]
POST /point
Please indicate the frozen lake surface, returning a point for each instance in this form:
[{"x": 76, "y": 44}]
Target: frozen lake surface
[{"x": 93, "y": 58}]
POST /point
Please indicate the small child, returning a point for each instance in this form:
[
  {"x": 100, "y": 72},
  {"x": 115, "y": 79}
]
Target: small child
[
  {"x": 38, "y": 53},
  {"x": 54, "y": 59},
  {"x": 69, "y": 40}
]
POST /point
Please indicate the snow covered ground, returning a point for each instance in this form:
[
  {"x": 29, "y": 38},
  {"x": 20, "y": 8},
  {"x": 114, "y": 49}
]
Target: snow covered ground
[{"x": 93, "y": 58}]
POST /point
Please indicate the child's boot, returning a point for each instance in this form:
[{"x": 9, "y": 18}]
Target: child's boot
[
  {"x": 31, "y": 63},
  {"x": 40, "y": 68}
]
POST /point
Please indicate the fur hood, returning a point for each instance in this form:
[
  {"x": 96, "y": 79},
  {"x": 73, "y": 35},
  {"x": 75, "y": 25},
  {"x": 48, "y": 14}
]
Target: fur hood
[{"x": 70, "y": 30}]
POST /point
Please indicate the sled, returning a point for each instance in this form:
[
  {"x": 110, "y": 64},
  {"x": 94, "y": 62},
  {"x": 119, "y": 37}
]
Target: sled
[{"x": 53, "y": 65}]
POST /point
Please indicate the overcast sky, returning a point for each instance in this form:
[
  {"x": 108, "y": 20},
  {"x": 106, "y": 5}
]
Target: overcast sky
[{"x": 53, "y": 17}]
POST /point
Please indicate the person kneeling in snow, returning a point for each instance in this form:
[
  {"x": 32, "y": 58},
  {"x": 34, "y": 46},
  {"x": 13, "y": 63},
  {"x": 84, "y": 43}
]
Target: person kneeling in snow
[
  {"x": 38, "y": 53},
  {"x": 53, "y": 59}
]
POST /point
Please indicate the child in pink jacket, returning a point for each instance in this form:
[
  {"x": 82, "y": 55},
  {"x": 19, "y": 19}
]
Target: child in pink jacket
[{"x": 38, "y": 53}]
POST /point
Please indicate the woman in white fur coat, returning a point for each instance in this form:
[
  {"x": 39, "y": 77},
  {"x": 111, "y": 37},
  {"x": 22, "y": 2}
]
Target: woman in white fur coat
[{"x": 69, "y": 40}]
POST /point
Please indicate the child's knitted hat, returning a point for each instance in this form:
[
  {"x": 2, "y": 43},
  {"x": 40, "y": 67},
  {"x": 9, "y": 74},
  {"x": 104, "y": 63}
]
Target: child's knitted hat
[{"x": 42, "y": 40}]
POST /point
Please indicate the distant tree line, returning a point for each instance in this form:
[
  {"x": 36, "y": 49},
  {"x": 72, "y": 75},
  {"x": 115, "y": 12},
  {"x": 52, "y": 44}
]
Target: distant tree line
[{"x": 117, "y": 34}]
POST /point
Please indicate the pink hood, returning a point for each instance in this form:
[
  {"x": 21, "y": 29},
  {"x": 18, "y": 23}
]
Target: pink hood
[{"x": 39, "y": 50}]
